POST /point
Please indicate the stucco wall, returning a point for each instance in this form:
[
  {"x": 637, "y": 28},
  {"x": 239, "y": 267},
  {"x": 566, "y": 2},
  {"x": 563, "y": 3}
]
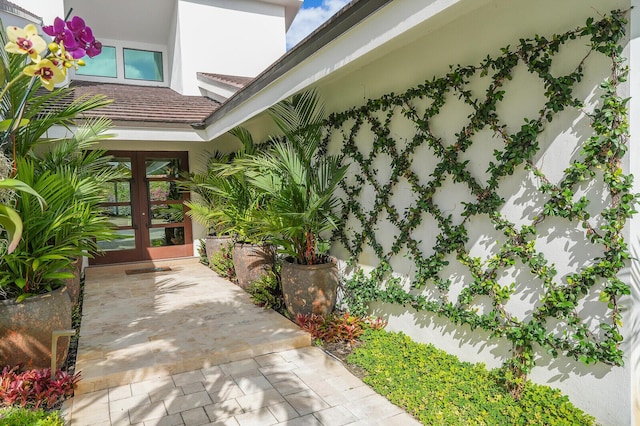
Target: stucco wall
[
  {"x": 236, "y": 37},
  {"x": 427, "y": 51}
]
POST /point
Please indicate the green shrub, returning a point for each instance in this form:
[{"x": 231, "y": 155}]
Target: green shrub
[
  {"x": 222, "y": 262},
  {"x": 202, "y": 253},
  {"x": 437, "y": 388},
  {"x": 18, "y": 416},
  {"x": 267, "y": 292}
]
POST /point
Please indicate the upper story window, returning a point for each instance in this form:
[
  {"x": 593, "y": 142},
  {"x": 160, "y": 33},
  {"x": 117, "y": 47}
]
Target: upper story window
[
  {"x": 143, "y": 65},
  {"x": 126, "y": 62},
  {"x": 103, "y": 65}
]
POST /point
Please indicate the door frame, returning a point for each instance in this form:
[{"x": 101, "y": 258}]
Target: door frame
[{"x": 140, "y": 213}]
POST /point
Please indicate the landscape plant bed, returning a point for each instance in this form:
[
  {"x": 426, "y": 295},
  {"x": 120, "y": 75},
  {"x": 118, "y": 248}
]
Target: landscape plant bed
[
  {"x": 437, "y": 388},
  {"x": 17, "y": 416}
]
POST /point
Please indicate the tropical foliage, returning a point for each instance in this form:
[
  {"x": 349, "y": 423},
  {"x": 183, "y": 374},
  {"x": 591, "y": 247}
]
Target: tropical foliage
[
  {"x": 57, "y": 212},
  {"x": 298, "y": 184},
  {"x": 70, "y": 178},
  {"x": 226, "y": 202}
]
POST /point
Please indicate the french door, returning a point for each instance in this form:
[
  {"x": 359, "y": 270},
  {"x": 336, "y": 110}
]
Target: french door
[{"x": 147, "y": 208}]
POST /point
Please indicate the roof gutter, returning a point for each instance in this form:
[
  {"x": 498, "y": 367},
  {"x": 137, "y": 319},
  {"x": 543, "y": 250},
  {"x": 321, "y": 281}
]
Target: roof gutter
[{"x": 340, "y": 23}]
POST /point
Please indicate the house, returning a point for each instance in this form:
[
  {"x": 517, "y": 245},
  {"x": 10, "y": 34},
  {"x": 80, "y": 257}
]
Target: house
[
  {"x": 168, "y": 65},
  {"x": 375, "y": 50}
]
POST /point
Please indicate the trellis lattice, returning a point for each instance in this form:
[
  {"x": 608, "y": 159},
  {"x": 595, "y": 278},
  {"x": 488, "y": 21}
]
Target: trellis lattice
[{"x": 599, "y": 159}]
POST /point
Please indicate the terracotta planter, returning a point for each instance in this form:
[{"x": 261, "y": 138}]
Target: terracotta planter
[
  {"x": 213, "y": 244},
  {"x": 73, "y": 284},
  {"x": 309, "y": 289},
  {"x": 26, "y": 327},
  {"x": 251, "y": 262}
]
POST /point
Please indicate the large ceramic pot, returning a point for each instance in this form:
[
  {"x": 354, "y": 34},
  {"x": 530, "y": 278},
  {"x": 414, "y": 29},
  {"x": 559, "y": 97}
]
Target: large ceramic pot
[
  {"x": 309, "y": 289},
  {"x": 26, "y": 327},
  {"x": 213, "y": 244},
  {"x": 251, "y": 262},
  {"x": 73, "y": 284}
]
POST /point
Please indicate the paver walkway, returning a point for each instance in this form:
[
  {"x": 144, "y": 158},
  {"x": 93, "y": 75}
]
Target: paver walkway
[{"x": 185, "y": 347}]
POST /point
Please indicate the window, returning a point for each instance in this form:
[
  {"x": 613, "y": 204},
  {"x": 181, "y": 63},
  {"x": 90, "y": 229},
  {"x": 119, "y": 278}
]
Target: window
[
  {"x": 143, "y": 65},
  {"x": 103, "y": 65}
]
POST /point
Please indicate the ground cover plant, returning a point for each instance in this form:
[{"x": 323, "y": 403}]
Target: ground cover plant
[
  {"x": 438, "y": 388},
  {"x": 222, "y": 263},
  {"x": 26, "y": 417},
  {"x": 267, "y": 292}
]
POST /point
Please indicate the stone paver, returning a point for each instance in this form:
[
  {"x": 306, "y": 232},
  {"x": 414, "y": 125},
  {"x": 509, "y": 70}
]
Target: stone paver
[{"x": 285, "y": 383}]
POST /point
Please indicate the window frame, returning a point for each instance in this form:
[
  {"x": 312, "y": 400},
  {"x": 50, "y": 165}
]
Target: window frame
[
  {"x": 124, "y": 49},
  {"x": 120, "y": 45}
]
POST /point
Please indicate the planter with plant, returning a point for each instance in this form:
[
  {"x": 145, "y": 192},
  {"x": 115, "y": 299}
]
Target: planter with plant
[
  {"x": 300, "y": 186},
  {"x": 207, "y": 207},
  {"x": 61, "y": 223},
  {"x": 229, "y": 204}
]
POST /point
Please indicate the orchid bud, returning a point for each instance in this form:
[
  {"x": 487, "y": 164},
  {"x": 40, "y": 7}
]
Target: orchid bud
[
  {"x": 81, "y": 62},
  {"x": 53, "y": 47}
]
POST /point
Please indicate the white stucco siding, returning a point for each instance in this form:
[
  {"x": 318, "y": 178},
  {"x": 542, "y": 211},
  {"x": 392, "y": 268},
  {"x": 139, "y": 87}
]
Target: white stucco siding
[
  {"x": 237, "y": 37},
  {"x": 465, "y": 35}
]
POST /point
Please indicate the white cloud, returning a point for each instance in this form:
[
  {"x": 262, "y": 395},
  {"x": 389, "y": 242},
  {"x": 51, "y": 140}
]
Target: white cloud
[{"x": 311, "y": 18}]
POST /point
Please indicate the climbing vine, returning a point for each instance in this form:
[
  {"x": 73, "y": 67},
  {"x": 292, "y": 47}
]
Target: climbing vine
[{"x": 599, "y": 159}]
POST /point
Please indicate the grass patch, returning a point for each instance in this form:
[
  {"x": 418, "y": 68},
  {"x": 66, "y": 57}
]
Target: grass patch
[
  {"x": 437, "y": 388},
  {"x": 29, "y": 417}
]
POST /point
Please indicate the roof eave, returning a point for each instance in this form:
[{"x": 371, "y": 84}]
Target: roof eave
[{"x": 347, "y": 18}]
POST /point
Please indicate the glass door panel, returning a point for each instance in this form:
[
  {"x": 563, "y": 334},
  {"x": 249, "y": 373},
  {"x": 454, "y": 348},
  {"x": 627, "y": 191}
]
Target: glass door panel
[
  {"x": 147, "y": 208},
  {"x": 120, "y": 207}
]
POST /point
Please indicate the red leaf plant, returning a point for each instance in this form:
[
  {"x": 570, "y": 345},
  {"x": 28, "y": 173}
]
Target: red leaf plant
[
  {"x": 35, "y": 388},
  {"x": 334, "y": 328}
]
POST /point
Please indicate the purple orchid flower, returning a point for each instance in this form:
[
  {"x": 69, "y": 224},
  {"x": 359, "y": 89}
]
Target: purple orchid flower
[
  {"x": 94, "y": 49},
  {"x": 57, "y": 28},
  {"x": 76, "y": 24},
  {"x": 85, "y": 36},
  {"x": 76, "y": 36}
]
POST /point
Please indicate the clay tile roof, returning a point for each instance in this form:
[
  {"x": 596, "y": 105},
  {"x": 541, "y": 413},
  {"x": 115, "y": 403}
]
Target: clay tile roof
[
  {"x": 233, "y": 80},
  {"x": 145, "y": 103}
]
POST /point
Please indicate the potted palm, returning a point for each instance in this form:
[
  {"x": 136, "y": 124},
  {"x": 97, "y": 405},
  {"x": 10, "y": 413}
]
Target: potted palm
[
  {"x": 207, "y": 208},
  {"x": 300, "y": 186},
  {"x": 227, "y": 204},
  {"x": 33, "y": 277},
  {"x": 252, "y": 257},
  {"x": 33, "y": 298}
]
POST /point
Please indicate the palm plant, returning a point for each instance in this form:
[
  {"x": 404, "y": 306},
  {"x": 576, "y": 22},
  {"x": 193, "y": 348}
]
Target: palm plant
[
  {"x": 227, "y": 204},
  {"x": 70, "y": 178},
  {"x": 298, "y": 183}
]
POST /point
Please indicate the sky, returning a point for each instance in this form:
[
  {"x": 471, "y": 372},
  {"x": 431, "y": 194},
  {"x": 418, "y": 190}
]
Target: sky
[{"x": 312, "y": 14}]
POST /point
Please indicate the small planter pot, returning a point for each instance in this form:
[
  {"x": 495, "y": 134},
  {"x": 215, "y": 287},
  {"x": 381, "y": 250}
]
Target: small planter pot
[
  {"x": 213, "y": 244},
  {"x": 309, "y": 289},
  {"x": 251, "y": 262},
  {"x": 26, "y": 327}
]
